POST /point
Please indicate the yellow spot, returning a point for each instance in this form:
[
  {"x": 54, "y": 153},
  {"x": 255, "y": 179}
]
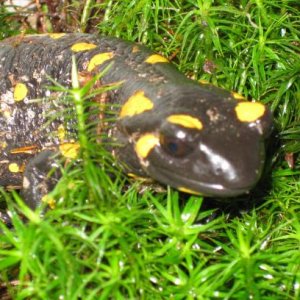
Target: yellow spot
[
  {"x": 136, "y": 104},
  {"x": 20, "y": 91},
  {"x": 99, "y": 59},
  {"x": 249, "y": 111},
  {"x": 156, "y": 58},
  {"x": 203, "y": 81},
  {"x": 238, "y": 96},
  {"x": 56, "y": 36},
  {"x": 145, "y": 144},
  {"x": 69, "y": 150},
  {"x": 61, "y": 132},
  {"x": 185, "y": 121},
  {"x": 13, "y": 168},
  {"x": 49, "y": 200},
  {"x": 78, "y": 47},
  {"x": 188, "y": 191}
]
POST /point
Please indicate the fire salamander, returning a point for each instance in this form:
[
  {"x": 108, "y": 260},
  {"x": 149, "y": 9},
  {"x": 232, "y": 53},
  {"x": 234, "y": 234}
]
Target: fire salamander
[{"x": 192, "y": 136}]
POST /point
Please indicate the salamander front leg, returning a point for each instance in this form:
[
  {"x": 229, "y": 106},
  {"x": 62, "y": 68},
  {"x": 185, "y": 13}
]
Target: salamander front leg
[{"x": 38, "y": 179}]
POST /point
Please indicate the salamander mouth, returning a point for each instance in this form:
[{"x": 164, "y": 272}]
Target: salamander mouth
[{"x": 205, "y": 188}]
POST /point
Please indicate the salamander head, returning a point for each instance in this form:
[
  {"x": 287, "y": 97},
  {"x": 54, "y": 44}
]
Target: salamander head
[{"x": 212, "y": 146}]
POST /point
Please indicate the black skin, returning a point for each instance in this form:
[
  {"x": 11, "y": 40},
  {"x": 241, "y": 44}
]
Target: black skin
[
  {"x": 37, "y": 176},
  {"x": 223, "y": 159}
]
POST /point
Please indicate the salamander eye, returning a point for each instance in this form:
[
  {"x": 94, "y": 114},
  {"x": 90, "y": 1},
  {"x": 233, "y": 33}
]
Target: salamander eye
[{"x": 175, "y": 146}]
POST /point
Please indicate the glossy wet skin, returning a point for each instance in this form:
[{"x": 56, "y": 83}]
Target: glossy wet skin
[
  {"x": 210, "y": 167},
  {"x": 223, "y": 157},
  {"x": 191, "y": 136}
]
